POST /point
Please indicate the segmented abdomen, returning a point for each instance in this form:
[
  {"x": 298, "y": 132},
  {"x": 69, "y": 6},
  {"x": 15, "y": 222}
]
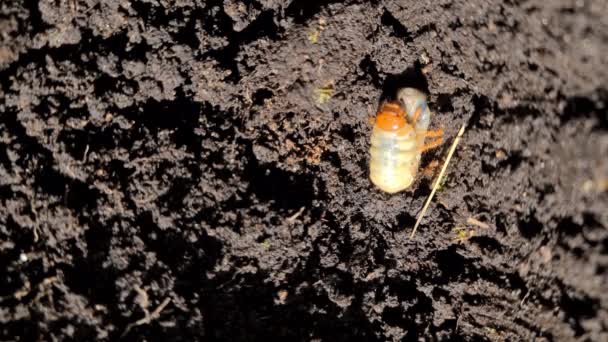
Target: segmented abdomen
[{"x": 394, "y": 158}]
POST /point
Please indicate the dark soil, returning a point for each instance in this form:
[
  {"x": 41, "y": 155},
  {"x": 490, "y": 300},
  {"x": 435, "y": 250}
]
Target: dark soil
[{"x": 174, "y": 170}]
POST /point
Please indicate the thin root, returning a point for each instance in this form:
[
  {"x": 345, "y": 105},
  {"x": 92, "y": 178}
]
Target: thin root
[
  {"x": 149, "y": 316},
  {"x": 445, "y": 166}
]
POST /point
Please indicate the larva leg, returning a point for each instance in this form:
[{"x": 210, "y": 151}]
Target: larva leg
[
  {"x": 416, "y": 115},
  {"x": 433, "y": 133},
  {"x": 431, "y": 144},
  {"x": 429, "y": 170}
]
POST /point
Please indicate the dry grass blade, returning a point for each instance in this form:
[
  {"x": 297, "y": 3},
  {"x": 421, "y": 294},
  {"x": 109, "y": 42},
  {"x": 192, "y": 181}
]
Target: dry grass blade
[{"x": 438, "y": 181}]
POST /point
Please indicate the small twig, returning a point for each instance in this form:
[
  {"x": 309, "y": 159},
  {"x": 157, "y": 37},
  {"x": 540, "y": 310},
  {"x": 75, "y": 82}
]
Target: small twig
[
  {"x": 293, "y": 217},
  {"x": 458, "y": 319},
  {"x": 436, "y": 185},
  {"x": 86, "y": 152},
  {"x": 475, "y": 222},
  {"x": 33, "y": 209},
  {"x": 43, "y": 287},
  {"x": 142, "y": 301},
  {"x": 156, "y": 313},
  {"x": 524, "y": 299},
  {"x": 24, "y": 291},
  {"x": 27, "y": 288}
]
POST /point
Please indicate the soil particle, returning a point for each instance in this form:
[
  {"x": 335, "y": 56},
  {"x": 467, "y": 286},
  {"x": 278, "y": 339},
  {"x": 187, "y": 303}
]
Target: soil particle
[{"x": 186, "y": 170}]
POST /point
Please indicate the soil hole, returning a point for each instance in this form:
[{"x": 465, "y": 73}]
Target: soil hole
[
  {"x": 530, "y": 228},
  {"x": 260, "y": 95},
  {"x": 393, "y": 316},
  {"x": 585, "y": 107},
  {"x": 404, "y": 221},
  {"x": 410, "y": 78},
  {"x": 450, "y": 263},
  {"x": 399, "y": 30},
  {"x": 286, "y": 190}
]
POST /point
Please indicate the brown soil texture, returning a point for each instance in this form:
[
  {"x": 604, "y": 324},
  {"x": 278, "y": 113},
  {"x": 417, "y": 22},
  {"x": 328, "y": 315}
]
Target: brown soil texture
[{"x": 197, "y": 170}]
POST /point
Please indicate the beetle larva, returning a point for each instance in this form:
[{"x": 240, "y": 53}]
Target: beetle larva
[{"x": 398, "y": 140}]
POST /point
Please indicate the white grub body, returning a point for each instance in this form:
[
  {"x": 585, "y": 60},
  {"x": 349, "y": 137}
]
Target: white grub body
[
  {"x": 395, "y": 154},
  {"x": 394, "y": 159}
]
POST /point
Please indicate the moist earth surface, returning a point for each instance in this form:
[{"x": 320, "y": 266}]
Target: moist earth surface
[{"x": 198, "y": 170}]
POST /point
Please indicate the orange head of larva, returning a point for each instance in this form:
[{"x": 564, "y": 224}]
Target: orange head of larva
[{"x": 391, "y": 117}]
